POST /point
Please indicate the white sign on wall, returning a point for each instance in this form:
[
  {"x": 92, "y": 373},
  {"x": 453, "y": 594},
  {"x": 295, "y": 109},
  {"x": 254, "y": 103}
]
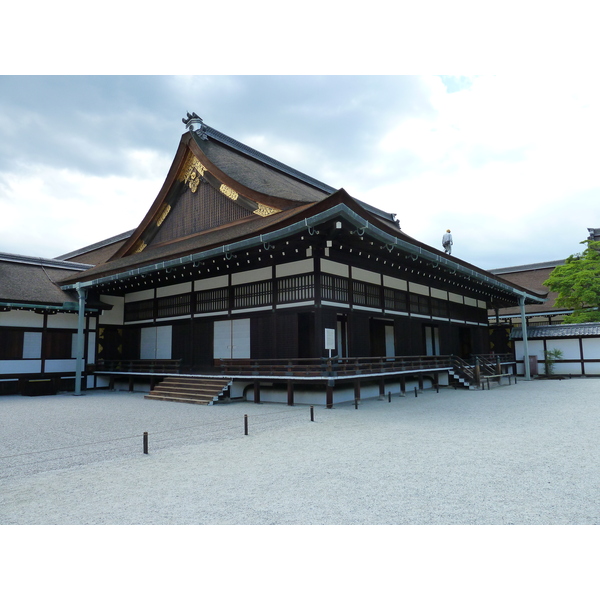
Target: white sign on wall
[{"x": 329, "y": 339}]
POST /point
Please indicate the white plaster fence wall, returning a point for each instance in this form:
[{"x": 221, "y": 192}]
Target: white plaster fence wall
[{"x": 577, "y": 355}]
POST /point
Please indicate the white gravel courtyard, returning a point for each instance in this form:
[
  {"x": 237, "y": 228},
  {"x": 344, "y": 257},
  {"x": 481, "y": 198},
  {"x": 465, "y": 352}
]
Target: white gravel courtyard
[{"x": 524, "y": 455}]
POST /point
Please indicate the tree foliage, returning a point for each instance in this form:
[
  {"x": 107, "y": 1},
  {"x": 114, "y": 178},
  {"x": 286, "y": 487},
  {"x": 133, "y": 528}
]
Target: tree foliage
[{"x": 577, "y": 283}]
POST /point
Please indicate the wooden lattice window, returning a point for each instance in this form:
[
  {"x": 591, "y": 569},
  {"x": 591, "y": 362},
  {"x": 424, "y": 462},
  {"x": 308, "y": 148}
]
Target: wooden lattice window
[
  {"x": 212, "y": 300},
  {"x": 334, "y": 288},
  {"x": 139, "y": 311},
  {"x": 395, "y": 299},
  {"x": 173, "y": 306},
  {"x": 419, "y": 304},
  {"x": 253, "y": 294},
  {"x": 296, "y": 288},
  {"x": 365, "y": 294}
]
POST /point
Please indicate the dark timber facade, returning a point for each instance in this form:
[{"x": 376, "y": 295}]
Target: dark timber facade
[{"x": 248, "y": 270}]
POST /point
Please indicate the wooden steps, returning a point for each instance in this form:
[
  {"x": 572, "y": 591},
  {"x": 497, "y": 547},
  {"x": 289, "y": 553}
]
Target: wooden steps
[{"x": 188, "y": 389}]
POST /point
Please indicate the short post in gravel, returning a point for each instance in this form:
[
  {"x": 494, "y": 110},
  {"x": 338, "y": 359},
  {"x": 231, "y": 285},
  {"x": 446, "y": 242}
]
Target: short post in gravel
[
  {"x": 145, "y": 442},
  {"x": 416, "y": 392},
  {"x": 245, "y": 424},
  {"x": 312, "y": 413},
  {"x": 389, "y": 396}
]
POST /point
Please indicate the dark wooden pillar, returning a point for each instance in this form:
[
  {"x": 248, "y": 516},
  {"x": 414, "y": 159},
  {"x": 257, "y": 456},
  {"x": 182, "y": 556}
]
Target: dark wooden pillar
[
  {"x": 329, "y": 394},
  {"x": 357, "y": 389},
  {"x": 290, "y": 392},
  {"x": 403, "y": 385},
  {"x": 382, "y": 387},
  {"x": 256, "y": 392}
]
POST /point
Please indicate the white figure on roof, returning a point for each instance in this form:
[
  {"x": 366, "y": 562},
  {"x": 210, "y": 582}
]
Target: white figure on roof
[{"x": 447, "y": 242}]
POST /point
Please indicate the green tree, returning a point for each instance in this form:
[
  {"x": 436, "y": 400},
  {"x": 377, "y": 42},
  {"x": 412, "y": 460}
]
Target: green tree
[{"x": 577, "y": 283}]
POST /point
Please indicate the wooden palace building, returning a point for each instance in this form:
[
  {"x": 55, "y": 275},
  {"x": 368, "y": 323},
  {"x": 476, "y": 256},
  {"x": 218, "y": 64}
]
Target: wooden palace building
[{"x": 249, "y": 273}]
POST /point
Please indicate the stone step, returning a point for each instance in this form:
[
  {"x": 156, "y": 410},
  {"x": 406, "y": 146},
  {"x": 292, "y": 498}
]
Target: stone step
[
  {"x": 201, "y": 394},
  {"x": 184, "y": 400},
  {"x": 187, "y": 389}
]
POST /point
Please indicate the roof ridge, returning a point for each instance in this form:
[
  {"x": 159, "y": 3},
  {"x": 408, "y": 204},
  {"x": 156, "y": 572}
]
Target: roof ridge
[
  {"x": 97, "y": 245},
  {"x": 206, "y": 130},
  {"x": 43, "y": 262}
]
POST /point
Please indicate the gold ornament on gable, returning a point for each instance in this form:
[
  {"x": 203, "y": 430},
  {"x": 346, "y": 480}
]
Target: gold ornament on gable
[
  {"x": 265, "y": 211},
  {"x": 192, "y": 172}
]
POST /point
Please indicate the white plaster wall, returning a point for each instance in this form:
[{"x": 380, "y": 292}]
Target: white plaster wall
[
  {"x": 296, "y": 268},
  {"x": 21, "y": 318},
  {"x": 20, "y": 366},
  {"x": 573, "y": 368},
  {"x": 334, "y": 268},
  {"x": 570, "y": 348},
  {"x": 251, "y": 276},
  {"x": 156, "y": 342},
  {"x": 91, "y": 352},
  {"x": 32, "y": 344},
  {"x": 174, "y": 290},
  {"x": 58, "y": 365},
  {"x": 137, "y": 296},
  {"x": 62, "y": 321},
  {"x": 536, "y": 347},
  {"x": 417, "y": 288},
  {"x": 212, "y": 283},
  {"x": 591, "y": 348},
  {"x": 114, "y": 316},
  {"x": 442, "y": 294},
  {"x": 364, "y": 275},
  {"x": 395, "y": 283}
]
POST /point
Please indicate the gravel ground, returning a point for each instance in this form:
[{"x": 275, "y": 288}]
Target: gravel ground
[{"x": 525, "y": 454}]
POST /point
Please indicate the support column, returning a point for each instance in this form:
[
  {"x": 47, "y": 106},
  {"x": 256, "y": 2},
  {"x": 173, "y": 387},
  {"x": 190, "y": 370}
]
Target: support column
[
  {"x": 79, "y": 354},
  {"x": 329, "y": 394},
  {"x": 257, "y": 392},
  {"x": 290, "y": 392},
  {"x": 525, "y": 340}
]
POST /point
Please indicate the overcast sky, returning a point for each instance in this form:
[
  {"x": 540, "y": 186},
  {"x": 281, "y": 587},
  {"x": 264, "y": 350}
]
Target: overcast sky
[{"x": 509, "y": 163}]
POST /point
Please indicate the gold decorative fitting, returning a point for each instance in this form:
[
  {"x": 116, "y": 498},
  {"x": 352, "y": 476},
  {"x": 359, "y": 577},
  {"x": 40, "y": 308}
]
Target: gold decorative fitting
[
  {"x": 192, "y": 172},
  {"x": 228, "y": 192},
  {"x": 140, "y": 246},
  {"x": 265, "y": 211},
  {"x": 163, "y": 215}
]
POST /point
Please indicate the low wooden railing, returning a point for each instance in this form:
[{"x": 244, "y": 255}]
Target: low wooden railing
[
  {"x": 331, "y": 367},
  {"x": 156, "y": 365}
]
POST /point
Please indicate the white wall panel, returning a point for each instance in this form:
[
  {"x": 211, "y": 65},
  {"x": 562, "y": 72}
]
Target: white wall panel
[
  {"x": 62, "y": 321},
  {"x": 156, "y": 342},
  {"x": 232, "y": 339},
  {"x": 441, "y": 294},
  {"x": 114, "y": 316},
  {"x": 20, "y": 366},
  {"x": 252, "y": 276},
  {"x": 417, "y": 288},
  {"x": 21, "y": 318},
  {"x": 334, "y": 268},
  {"x": 591, "y": 348},
  {"x": 56, "y": 366},
  {"x": 295, "y": 268},
  {"x": 212, "y": 283},
  {"x": 364, "y": 275},
  {"x": 137, "y": 296},
  {"x": 174, "y": 290},
  {"x": 395, "y": 283},
  {"x": 569, "y": 348},
  {"x": 91, "y": 353},
  {"x": 32, "y": 344}
]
